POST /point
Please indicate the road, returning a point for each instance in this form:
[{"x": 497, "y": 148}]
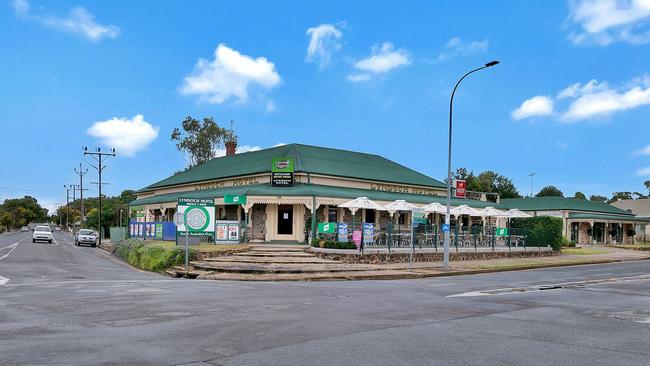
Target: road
[{"x": 67, "y": 305}]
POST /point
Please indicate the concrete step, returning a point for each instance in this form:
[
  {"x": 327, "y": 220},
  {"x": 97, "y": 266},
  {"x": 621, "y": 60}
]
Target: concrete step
[
  {"x": 318, "y": 276},
  {"x": 237, "y": 267},
  {"x": 271, "y": 259},
  {"x": 179, "y": 271},
  {"x": 269, "y": 248},
  {"x": 276, "y": 254}
]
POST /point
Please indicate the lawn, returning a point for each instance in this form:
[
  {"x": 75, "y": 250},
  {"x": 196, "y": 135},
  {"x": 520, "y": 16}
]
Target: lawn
[
  {"x": 582, "y": 251},
  {"x": 203, "y": 247},
  {"x": 633, "y": 246}
]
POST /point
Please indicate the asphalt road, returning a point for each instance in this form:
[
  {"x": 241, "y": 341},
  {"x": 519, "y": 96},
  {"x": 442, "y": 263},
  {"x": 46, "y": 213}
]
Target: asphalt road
[{"x": 67, "y": 305}]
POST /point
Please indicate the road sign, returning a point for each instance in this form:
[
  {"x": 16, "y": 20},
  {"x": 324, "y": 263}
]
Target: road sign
[
  {"x": 179, "y": 219},
  {"x": 198, "y": 216},
  {"x": 234, "y": 199},
  {"x": 445, "y": 227}
]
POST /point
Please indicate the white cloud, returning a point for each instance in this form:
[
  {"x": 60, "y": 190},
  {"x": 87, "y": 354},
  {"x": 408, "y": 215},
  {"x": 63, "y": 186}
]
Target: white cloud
[
  {"x": 383, "y": 58},
  {"x": 229, "y": 75},
  {"x": 78, "y": 21},
  {"x": 127, "y": 136},
  {"x": 643, "y": 171},
  {"x": 356, "y": 78},
  {"x": 457, "y": 47},
  {"x": 604, "y": 101},
  {"x": 590, "y": 100},
  {"x": 643, "y": 151},
  {"x": 534, "y": 107},
  {"x": 607, "y": 21},
  {"x": 323, "y": 42}
]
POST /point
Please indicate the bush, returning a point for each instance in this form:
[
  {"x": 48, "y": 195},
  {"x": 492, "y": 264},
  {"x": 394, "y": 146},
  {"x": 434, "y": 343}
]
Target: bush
[
  {"x": 630, "y": 232},
  {"x": 333, "y": 244},
  {"x": 566, "y": 243},
  {"x": 541, "y": 231},
  {"x": 150, "y": 257}
]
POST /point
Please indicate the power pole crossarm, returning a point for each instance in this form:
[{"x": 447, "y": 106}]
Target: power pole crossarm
[{"x": 99, "y": 155}]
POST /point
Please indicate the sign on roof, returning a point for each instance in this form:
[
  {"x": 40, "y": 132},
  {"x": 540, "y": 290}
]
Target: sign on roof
[
  {"x": 198, "y": 215},
  {"x": 282, "y": 172},
  {"x": 234, "y": 199}
]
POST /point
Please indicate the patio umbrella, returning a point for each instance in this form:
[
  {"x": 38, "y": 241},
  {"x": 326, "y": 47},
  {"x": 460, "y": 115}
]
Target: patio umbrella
[
  {"x": 398, "y": 206},
  {"x": 490, "y": 212},
  {"x": 514, "y": 213},
  {"x": 465, "y": 210},
  {"x": 435, "y": 208},
  {"x": 361, "y": 203}
]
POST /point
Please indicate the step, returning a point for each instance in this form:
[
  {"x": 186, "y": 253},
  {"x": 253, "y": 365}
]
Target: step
[
  {"x": 271, "y": 259},
  {"x": 277, "y": 249},
  {"x": 280, "y": 268},
  {"x": 192, "y": 273},
  {"x": 276, "y": 254},
  {"x": 319, "y": 276}
]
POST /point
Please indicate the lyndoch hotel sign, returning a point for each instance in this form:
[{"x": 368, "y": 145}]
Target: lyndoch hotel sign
[{"x": 402, "y": 189}]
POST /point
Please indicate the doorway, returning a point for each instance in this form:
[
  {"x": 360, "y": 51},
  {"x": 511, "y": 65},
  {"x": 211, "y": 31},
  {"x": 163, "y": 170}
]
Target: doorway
[{"x": 285, "y": 220}]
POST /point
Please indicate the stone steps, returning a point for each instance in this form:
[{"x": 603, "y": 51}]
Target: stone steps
[
  {"x": 269, "y": 259},
  {"x": 236, "y": 267},
  {"x": 276, "y": 248},
  {"x": 276, "y": 254},
  {"x": 329, "y": 276}
]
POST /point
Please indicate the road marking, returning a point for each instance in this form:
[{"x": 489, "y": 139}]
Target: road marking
[
  {"x": 555, "y": 286},
  {"x": 3, "y": 280},
  {"x": 13, "y": 247}
]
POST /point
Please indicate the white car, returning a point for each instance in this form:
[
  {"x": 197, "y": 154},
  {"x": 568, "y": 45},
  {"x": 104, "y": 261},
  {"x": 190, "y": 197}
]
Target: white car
[
  {"x": 43, "y": 233},
  {"x": 85, "y": 236}
]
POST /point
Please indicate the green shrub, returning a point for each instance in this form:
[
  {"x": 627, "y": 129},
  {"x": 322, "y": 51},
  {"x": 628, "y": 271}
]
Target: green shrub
[
  {"x": 333, "y": 244},
  {"x": 150, "y": 257},
  {"x": 566, "y": 243},
  {"x": 541, "y": 231}
]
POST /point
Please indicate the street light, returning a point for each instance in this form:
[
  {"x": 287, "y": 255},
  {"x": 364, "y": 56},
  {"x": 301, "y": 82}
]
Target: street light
[{"x": 448, "y": 213}]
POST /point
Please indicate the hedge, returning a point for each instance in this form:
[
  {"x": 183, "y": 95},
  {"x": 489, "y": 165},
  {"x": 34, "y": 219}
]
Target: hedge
[
  {"x": 150, "y": 257},
  {"x": 333, "y": 244},
  {"x": 541, "y": 231}
]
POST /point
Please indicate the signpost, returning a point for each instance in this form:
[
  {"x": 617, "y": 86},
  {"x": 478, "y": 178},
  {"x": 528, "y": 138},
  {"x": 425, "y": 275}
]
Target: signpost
[
  {"x": 194, "y": 217},
  {"x": 282, "y": 172}
]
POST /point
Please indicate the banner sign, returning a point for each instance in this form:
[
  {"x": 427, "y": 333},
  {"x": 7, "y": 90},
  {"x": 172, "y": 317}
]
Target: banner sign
[
  {"x": 368, "y": 233},
  {"x": 501, "y": 231},
  {"x": 282, "y": 172},
  {"x": 227, "y": 232},
  {"x": 419, "y": 217},
  {"x": 356, "y": 238},
  {"x": 461, "y": 188},
  {"x": 343, "y": 231},
  {"x": 234, "y": 199},
  {"x": 199, "y": 216},
  {"x": 326, "y": 227}
]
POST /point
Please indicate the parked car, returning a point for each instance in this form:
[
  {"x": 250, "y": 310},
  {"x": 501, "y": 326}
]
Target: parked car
[
  {"x": 85, "y": 236},
  {"x": 24, "y": 228},
  {"x": 43, "y": 233},
  {"x": 56, "y": 228}
]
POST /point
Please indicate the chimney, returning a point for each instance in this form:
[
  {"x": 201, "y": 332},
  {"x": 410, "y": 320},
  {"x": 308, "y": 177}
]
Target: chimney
[{"x": 231, "y": 147}]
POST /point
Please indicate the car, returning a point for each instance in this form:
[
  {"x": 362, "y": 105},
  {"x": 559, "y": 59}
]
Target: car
[
  {"x": 24, "y": 228},
  {"x": 56, "y": 228},
  {"x": 42, "y": 233},
  {"x": 86, "y": 236}
]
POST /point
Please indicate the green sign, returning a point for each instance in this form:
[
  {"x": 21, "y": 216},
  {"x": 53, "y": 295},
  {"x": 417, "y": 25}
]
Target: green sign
[
  {"x": 501, "y": 231},
  {"x": 159, "y": 231},
  {"x": 234, "y": 199},
  {"x": 419, "y": 218},
  {"x": 198, "y": 216},
  {"x": 326, "y": 227},
  {"x": 282, "y": 172}
]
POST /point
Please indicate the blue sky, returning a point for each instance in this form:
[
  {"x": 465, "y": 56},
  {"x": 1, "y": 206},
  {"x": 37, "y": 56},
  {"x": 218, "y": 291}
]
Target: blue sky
[{"x": 569, "y": 100}]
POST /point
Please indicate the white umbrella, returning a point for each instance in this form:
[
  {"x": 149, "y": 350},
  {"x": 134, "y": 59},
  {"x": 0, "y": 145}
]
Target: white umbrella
[
  {"x": 361, "y": 203},
  {"x": 465, "y": 210},
  {"x": 399, "y": 205},
  {"x": 492, "y": 212},
  {"x": 516, "y": 213},
  {"x": 435, "y": 207}
]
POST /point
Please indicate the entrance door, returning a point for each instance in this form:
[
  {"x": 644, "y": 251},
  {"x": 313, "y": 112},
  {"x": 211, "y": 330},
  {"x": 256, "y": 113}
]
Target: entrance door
[{"x": 285, "y": 219}]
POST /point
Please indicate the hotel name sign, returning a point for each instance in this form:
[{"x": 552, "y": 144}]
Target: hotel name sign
[
  {"x": 228, "y": 183},
  {"x": 402, "y": 189}
]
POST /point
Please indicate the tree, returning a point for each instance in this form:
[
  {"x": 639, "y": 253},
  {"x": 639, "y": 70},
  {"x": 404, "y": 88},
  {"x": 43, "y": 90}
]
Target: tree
[
  {"x": 488, "y": 181},
  {"x": 127, "y": 196},
  {"x": 620, "y": 196},
  {"x": 580, "y": 196},
  {"x": 597, "y": 198},
  {"x": 506, "y": 189},
  {"x": 7, "y": 220},
  {"x": 199, "y": 140},
  {"x": 647, "y": 186},
  {"x": 550, "y": 191}
]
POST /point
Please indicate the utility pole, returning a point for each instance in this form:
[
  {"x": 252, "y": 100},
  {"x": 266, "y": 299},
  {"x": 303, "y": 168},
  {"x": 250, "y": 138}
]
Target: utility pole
[
  {"x": 531, "y": 175},
  {"x": 98, "y": 155},
  {"x": 81, "y": 174},
  {"x": 67, "y": 206}
]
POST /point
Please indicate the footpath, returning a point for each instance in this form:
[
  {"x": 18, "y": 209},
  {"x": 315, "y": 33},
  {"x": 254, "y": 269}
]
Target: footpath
[{"x": 266, "y": 262}]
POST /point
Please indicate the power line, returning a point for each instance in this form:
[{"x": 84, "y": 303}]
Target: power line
[
  {"x": 98, "y": 155},
  {"x": 81, "y": 174}
]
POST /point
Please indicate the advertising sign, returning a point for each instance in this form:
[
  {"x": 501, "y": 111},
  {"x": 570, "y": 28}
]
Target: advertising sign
[
  {"x": 501, "y": 231},
  {"x": 159, "y": 231},
  {"x": 234, "y": 199},
  {"x": 199, "y": 216},
  {"x": 368, "y": 233},
  {"x": 445, "y": 227},
  {"x": 227, "y": 232},
  {"x": 461, "y": 188},
  {"x": 343, "y": 231},
  {"x": 282, "y": 172},
  {"x": 356, "y": 238},
  {"x": 326, "y": 227},
  {"x": 233, "y": 232},
  {"x": 222, "y": 232}
]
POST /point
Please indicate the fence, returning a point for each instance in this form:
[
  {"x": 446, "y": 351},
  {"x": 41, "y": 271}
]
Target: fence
[{"x": 426, "y": 236}]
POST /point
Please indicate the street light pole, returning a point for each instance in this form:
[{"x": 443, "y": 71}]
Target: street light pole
[
  {"x": 98, "y": 155},
  {"x": 531, "y": 175},
  {"x": 448, "y": 211}
]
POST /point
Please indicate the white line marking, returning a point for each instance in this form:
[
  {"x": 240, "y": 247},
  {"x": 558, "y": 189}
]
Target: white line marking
[
  {"x": 3, "y": 280},
  {"x": 13, "y": 247}
]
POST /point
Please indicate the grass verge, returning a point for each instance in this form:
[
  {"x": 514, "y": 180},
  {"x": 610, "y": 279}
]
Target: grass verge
[
  {"x": 582, "y": 251},
  {"x": 150, "y": 257},
  {"x": 201, "y": 248},
  {"x": 533, "y": 264},
  {"x": 643, "y": 247}
]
